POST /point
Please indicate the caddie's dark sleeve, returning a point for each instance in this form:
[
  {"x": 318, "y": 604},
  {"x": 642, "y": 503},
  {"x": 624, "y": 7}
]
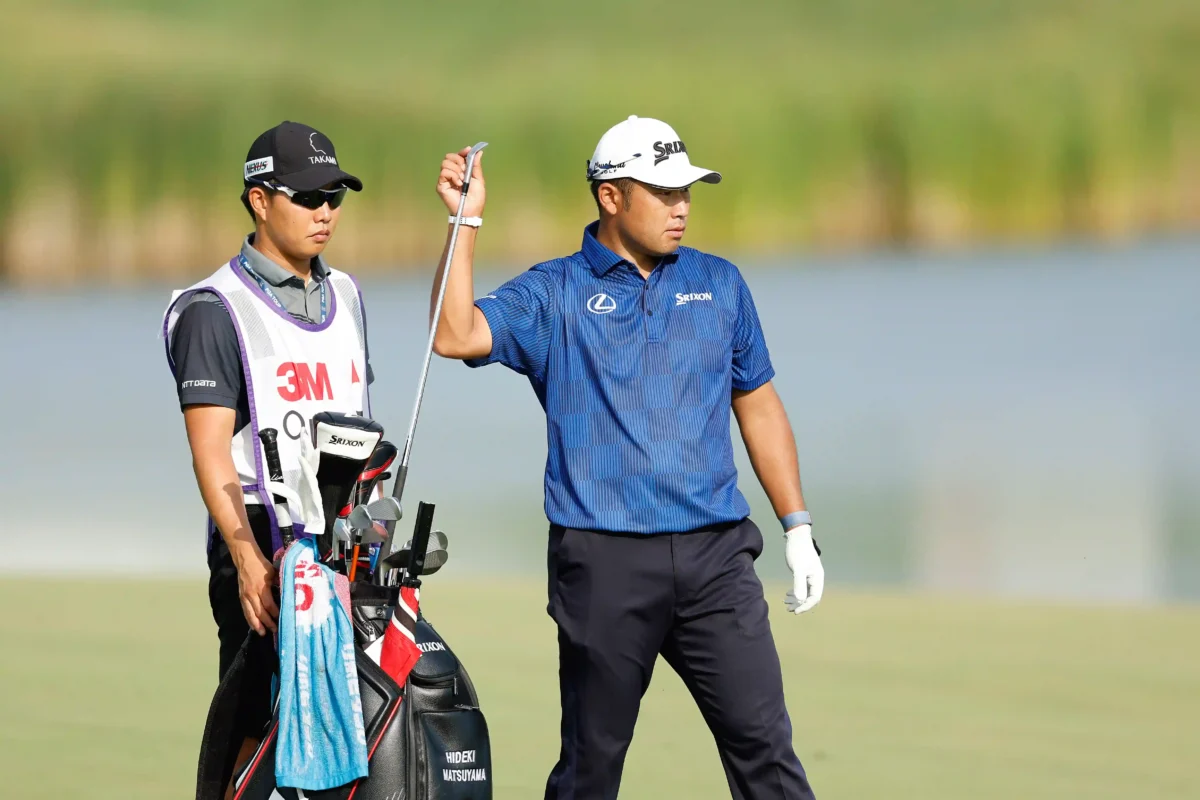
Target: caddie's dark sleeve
[{"x": 208, "y": 359}]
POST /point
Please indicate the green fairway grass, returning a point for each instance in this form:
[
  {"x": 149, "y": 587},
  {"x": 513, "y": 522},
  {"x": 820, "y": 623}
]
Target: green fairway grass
[{"x": 104, "y": 688}]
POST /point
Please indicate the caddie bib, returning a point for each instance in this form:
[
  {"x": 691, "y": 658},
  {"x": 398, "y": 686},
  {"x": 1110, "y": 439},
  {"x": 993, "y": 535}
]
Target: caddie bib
[{"x": 293, "y": 369}]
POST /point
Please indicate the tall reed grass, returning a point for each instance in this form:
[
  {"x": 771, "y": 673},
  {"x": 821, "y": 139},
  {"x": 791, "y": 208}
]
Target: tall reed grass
[{"x": 123, "y": 125}]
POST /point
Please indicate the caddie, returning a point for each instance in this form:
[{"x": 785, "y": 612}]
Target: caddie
[
  {"x": 638, "y": 349},
  {"x": 272, "y": 337}
]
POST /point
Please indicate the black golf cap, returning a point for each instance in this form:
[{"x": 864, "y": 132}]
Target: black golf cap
[{"x": 299, "y": 157}]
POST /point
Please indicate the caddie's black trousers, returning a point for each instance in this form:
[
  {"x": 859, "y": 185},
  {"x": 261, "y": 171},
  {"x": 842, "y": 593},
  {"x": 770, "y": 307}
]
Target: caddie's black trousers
[
  {"x": 254, "y": 707},
  {"x": 620, "y": 601}
]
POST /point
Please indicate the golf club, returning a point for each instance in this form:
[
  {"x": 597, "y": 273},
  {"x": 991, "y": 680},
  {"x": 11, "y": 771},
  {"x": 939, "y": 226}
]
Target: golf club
[
  {"x": 385, "y": 509},
  {"x": 345, "y": 443},
  {"x": 375, "y": 471},
  {"x": 372, "y": 475},
  {"x": 419, "y": 546},
  {"x": 436, "y": 554},
  {"x": 341, "y": 538},
  {"x": 402, "y": 471},
  {"x": 270, "y": 442},
  {"x": 361, "y": 521}
]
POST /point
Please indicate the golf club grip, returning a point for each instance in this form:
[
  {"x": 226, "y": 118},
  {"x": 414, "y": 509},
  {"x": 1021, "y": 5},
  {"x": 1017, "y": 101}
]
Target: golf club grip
[
  {"x": 398, "y": 487},
  {"x": 270, "y": 442},
  {"x": 420, "y": 543}
]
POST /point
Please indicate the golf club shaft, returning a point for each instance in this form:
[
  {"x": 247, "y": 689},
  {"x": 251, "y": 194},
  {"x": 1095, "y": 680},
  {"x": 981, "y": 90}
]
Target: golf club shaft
[{"x": 402, "y": 470}]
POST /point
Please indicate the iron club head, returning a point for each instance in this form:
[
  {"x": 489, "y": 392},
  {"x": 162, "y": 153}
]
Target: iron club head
[
  {"x": 436, "y": 554},
  {"x": 385, "y": 509}
]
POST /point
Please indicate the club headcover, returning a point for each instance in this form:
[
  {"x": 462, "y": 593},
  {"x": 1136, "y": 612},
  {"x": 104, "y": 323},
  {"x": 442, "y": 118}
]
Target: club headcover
[
  {"x": 345, "y": 443},
  {"x": 376, "y": 470}
]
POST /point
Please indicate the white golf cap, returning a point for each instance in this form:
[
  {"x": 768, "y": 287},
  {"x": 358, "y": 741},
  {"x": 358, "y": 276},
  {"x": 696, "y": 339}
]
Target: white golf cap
[{"x": 647, "y": 150}]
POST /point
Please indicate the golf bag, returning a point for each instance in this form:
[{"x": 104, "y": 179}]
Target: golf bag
[{"x": 426, "y": 740}]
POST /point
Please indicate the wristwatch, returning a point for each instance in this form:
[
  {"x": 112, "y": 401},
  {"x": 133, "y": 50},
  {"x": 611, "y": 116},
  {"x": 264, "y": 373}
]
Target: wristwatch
[{"x": 795, "y": 519}]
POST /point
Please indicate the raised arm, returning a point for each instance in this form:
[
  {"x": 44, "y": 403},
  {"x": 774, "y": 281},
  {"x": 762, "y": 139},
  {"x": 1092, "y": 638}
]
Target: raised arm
[{"x": 463, "y": 331}]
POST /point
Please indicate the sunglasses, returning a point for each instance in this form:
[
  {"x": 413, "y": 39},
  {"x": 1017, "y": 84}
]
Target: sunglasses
[{"x": 312, "y": 199}]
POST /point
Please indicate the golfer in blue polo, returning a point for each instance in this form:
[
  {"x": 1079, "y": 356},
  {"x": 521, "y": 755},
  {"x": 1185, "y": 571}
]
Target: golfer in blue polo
[{"x": 638, "y": 349}]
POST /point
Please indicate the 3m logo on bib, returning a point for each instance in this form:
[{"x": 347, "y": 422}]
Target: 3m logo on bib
[
  {"x": 683, "y": 299},
  {"x": 304, "y": 383}
]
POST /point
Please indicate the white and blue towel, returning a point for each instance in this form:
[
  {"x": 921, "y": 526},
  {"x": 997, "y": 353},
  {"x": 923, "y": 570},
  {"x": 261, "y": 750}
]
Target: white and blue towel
[{"x": 322, "y": 742}]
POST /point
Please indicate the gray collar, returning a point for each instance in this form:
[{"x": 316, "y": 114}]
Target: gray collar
[{"x": 274, "y": 274}]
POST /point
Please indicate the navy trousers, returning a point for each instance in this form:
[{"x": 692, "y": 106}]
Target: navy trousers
[{"x": 622, "y": 600}]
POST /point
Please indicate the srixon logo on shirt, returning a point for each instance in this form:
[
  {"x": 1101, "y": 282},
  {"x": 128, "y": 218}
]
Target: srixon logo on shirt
[
  {"x": 470, "y": 775},
  {"x": 302, "y": 382}
]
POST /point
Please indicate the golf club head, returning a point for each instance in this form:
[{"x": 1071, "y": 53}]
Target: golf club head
[
  {"x": 474, "y": 151},
  {"x": 436, "y": 554},
  {"x": 372, "y": 535},
  {"x": 362, "y": 519},
  {"x": 359, "y": 519},
  {"x": 341, "y": 531},
  {"x": 346, "y": 444},
  {"x": 385, "y": 509}
]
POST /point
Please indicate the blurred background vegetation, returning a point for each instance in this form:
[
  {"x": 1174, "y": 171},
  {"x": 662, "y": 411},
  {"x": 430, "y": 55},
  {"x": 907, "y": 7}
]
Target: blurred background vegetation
[{"x": 837, "y": 123}]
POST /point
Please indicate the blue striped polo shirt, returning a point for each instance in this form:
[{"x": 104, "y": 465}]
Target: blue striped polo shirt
[{"x": 635, "y": 376}]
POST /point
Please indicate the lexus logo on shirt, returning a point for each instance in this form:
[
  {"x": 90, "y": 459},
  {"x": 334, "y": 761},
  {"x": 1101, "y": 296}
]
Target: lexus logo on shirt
[{"x": 601, "y": 304}]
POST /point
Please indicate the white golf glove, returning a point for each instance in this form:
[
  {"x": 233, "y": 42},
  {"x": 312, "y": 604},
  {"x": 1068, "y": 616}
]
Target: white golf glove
[{"x": 804, "y": 560}]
